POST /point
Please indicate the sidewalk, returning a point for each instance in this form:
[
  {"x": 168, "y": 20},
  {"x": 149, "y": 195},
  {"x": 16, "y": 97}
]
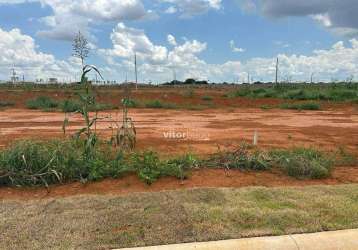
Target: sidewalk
[{"x": 337, "y": 240}]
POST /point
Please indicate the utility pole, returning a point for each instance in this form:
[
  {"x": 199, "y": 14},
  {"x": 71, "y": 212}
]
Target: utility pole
[
  {"x": 13, "y": 78},
  {"x": 276, "y": 80},
  {"x": 312, "y": 74},
  {"x": 136, "y": 71},
  {"x": 174, "y": 75}
]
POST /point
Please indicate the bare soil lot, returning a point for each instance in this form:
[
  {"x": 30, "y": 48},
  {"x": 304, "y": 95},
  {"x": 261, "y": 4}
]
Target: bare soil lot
[
  {"x": 204, "y": 130},
  {"x": 212, "y": 204}
]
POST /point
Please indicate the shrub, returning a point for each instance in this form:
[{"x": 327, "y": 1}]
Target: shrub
[
  {"x": 154, "y": 104},
  {"x": 304, "y": 163},
  {"x": 178, "y": 167},
  {"x": 70, "y": 106},
  {"x": 131, "y": 103},
  {"x": 42, "y": 102},
  {"x": 157, "y": 104},
  {"x": 147, "y": 165}
]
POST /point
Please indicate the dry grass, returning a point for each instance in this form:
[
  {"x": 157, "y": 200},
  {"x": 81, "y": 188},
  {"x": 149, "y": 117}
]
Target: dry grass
[{"x": 103, "y": 222}]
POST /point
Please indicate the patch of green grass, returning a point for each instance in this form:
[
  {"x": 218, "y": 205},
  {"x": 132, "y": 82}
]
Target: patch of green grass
[
  {"x": 331, "y": 92},
  {"x": 132, "y": 103},
  {"x": 302, "y": 106},
  {"x": 207, "y": 98},
  {"x": 42, "y": 102},
  {"x": 346, "y": 158},
  {"x": 29, "y": 163},
  {"x": 157, "y": 104},
  {"x": 36, "y": 163},
  {"x": 70, "y": 105},
  {"x": 193, "y": 215},
  {"x": 266, "y": 107},
  {"x": 6, "y": 104}
]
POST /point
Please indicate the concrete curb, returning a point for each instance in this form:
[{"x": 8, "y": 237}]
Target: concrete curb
[{"x": 336, "y": 240}]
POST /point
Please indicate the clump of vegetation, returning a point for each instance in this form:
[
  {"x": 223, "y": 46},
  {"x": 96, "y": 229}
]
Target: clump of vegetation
[
  {"x": 301, "y": 106},
  {"x": 266, "y": 107},
  {"x": 6, "y": 104},
  {"x": 42, "y": 102},
  {"x": 304, "y": 163},
  {"x": 325, "y": 92},
  {"x": 345, "y": 158},
  {"x": 39, "y": 163},
  {"x": 29, "y": 163},
  {"x": 70, "y": 105},
  {"x": 157, "y": 104},
  {"x": 207, "y": 98},
  {"x": 242, "y": 158},
  {"x": 189, "y": 93},
  {"x": 132, "y": 103}
]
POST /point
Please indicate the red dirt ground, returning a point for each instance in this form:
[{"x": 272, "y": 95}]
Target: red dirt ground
[
  {"x": 204, "y": 131},
  {"x": 231, "y": 122},
  {"x": 199, "y": 179}
]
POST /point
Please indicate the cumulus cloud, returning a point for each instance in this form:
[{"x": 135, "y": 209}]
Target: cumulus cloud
[
  {"x": 157, "y": 62},
  {"x": 69, "y": 16},
  {"x": 128, "y": 41},
  {"x": 20, "y": 51}
]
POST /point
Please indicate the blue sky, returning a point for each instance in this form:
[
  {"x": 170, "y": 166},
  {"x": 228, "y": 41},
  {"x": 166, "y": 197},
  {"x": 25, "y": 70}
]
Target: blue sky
[{"x": 217, "y": 40}]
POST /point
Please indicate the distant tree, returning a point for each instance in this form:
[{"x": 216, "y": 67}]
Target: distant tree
[
  {"x": 190, "y": 81},
  {"x": 80, "y": 48}
]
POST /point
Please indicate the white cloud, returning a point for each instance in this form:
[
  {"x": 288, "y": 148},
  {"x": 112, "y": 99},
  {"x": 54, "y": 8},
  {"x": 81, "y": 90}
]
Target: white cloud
[
  {"x": 190, "y": 8},
  {"x": 70, "y": 16},
  {"x": 127, "y": 41},
  {"x": 323, "y": 19},
  {"x": 171, "y": 10},
  {"x": 234, "y": 48},
  {"x": 20, "y": 51},
  {"x": 171, "y": 40},
  {"x": 339, "y": 61}
]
